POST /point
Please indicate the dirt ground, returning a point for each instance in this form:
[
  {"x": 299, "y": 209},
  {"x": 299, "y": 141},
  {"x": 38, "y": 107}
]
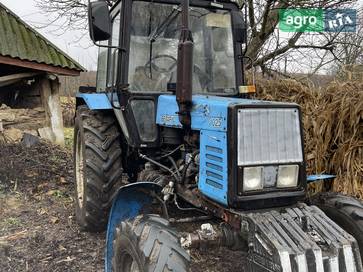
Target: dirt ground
[{"x": 38, "y": 231}]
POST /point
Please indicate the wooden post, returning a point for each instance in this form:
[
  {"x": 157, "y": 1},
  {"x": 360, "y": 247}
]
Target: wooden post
[{"x": 49, "y": 92}]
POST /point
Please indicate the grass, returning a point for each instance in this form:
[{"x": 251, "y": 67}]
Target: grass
[
  {"x": 67, "y": 99},
  {"x": 68, "y": 137},
  {"x": 10, "y": 222},
  {"x": 2, "y": 190},
  {"x": 59, "y": 194}
]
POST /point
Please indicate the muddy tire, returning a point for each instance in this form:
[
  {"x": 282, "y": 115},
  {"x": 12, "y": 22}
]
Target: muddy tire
[
  {"x": 346, "y": 211},
  {"x": 148, "y": 243},
  {"x": 97, "y": 167}
]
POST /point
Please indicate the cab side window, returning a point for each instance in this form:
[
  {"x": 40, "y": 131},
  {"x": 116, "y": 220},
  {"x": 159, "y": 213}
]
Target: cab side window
[
  {"x": 115, "y": 41},
  {"x": 102, "y": 67}
]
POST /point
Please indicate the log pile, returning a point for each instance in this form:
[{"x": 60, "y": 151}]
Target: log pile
[
  {"x": 333, "y": 126},
  {"x": 15, "y": 122}
]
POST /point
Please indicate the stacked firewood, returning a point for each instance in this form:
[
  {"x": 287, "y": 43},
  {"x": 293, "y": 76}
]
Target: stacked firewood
[{"x": 15, "y": 122}]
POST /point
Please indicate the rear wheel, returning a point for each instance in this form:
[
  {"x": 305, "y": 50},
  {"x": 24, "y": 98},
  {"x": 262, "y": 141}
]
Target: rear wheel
[
  {"x": 148, "y": 243},
  {"x": 346, "y": 211},
  {"x": 97, "y": 166}
]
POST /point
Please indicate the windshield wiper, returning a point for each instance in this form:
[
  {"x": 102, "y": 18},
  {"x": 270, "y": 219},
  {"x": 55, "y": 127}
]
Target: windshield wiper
[
  {"x": 160, "y": 29},
  {"x": 164, "y": 25}
]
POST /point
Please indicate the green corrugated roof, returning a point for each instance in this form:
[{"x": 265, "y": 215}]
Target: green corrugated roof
[{"x": 19, "y": 40}]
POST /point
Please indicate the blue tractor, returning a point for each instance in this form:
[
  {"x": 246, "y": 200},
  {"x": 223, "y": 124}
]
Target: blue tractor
[{"x": 171, "y": 127}]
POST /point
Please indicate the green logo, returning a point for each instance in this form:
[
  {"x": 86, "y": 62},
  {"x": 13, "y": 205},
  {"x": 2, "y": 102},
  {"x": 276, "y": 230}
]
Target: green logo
[{"x": 301, "y": 20}]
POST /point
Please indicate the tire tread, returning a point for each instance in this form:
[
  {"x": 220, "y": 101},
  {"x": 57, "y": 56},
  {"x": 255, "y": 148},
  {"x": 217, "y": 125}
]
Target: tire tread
[
  {"x": 103, "y": 167},
  {"x": 346, "y": 211},
  {"x": 157, "y": 244}
]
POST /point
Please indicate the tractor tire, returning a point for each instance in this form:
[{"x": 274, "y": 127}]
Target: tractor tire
[
  {"x": 97, "y": 167},
  {"x": 346, "y": 211},
  {"x": 148, "y": 244}
]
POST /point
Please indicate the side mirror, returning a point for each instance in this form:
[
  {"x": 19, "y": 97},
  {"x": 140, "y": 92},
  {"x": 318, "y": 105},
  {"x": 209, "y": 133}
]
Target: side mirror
[
  {"x": 99, "y": 20},
  {"x": 239, "y": 27}
]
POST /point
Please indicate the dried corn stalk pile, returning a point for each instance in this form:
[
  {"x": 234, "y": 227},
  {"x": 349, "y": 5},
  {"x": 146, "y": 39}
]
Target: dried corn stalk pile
[
  {"x": 68, "y": 105},
  {"x": 333, "y": 124}
]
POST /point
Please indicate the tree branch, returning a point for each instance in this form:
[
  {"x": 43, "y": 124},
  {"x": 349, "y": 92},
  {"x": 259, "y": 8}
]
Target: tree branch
[
  {"x": 265, "y": 16},
  {"x": 291, "y": 43},
  {"x": 251, "y": 17}
]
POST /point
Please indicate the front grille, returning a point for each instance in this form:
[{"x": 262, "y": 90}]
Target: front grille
[{"x": 269, "y": 136}]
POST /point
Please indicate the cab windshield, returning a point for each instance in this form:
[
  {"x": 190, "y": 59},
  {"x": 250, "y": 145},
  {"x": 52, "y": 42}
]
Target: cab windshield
[{"x": 155, "y": 32}]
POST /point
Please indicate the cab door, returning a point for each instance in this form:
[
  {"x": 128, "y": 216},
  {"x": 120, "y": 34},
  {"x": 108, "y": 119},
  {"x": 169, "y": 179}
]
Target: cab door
[{"x": 136, "y": 113}]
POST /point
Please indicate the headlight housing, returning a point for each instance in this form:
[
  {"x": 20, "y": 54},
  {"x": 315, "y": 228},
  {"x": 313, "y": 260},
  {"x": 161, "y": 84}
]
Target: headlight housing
[
  {"x": 287, "y": 176},
  {"x": 252, "y": 179}
]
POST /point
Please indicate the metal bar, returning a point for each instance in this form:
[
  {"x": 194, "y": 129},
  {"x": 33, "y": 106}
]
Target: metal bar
[
  {"x": 185, "y": 69},
  {"x": 190, "y": 219}
]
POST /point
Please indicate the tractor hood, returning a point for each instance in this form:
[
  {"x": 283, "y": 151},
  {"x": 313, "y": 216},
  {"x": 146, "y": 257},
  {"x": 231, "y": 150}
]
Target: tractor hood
[{"x": 207, "y": 112}]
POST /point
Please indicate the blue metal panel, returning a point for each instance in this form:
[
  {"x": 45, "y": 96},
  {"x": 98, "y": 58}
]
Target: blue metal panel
[
  {"x": 130, "y": 201},
  {"x": 96, "y": 101},
  {"x": 208, "y": 112},
  {"x": 213, "y": 172},
  {"x": 313, "y": 178}
]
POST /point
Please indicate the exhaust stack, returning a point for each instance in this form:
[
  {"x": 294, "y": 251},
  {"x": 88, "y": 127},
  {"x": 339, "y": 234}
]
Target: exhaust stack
[{"x": 185, "y": 69}]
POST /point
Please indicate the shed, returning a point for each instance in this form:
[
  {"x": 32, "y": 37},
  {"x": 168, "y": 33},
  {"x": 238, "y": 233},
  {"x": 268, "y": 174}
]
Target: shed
[{"x": 29, "y": 69}]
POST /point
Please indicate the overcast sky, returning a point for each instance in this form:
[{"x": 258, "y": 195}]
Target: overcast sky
[{"x": 81, "y": 51}]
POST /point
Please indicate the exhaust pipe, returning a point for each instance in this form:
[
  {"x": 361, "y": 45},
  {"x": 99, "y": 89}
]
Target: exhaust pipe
[{"x": 184, "y": 83}]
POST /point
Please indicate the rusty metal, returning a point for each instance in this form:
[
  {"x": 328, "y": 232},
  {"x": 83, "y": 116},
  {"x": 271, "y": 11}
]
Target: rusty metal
[
  {"x": 232, "y": 219},
  {"x": 227, "y": 215},
  {"x": 206, "y": 237},
  {"x": 195, "y": 198},
  {"x": 185, "y": 69},
  {"x": 218, "y": 236}
]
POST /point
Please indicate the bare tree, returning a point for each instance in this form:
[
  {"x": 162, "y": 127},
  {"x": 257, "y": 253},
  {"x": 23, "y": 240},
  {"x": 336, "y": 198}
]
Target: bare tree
[
  {"x": 267, "y": 48},
  {"x": 71, "y": 14},
  {"x": 349, "y": 46},
  {"x": 348, "y": 61}
]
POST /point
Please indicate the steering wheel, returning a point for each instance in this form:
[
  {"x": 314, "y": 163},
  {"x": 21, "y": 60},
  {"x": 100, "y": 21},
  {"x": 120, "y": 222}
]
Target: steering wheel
[
  {"x": 204, "y": 78},
  {"x": 151, "y": 64}
]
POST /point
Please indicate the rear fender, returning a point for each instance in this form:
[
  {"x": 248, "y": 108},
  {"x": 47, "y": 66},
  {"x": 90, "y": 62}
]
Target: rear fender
[
  {"x": 94, "y": 101},
  {"x": 131, "y": 200}
]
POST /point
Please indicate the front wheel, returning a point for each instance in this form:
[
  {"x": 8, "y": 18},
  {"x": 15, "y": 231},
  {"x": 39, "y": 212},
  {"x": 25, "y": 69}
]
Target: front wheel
[
  {"x": 148, "y": 243},
  {"x": 346, "y": 211}
]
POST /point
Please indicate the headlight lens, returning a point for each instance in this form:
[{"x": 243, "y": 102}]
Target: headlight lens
[
  {"x": 252, "y": 179},
  {"x": 287, "y": 176}
]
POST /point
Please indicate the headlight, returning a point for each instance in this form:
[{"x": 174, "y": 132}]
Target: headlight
[
  {"x": 287, "y": 176},
  {"x": 252, "y": 179}
]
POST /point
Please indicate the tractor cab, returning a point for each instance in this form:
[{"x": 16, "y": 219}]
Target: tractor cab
[
  {"x": 147, "y": 34},
  {"x": 171, "y": 128},
  {"x": 139, "y": 54}
]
